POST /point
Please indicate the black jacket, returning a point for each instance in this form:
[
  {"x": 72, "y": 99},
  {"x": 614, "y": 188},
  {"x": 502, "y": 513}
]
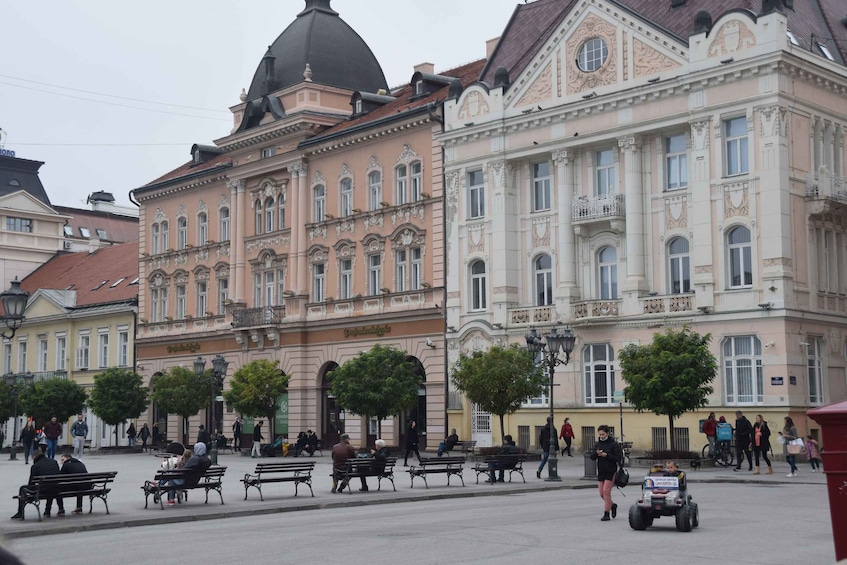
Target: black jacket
[
  {"x": 43, "y": 467},
  {"x": 412, "y": 438},
  {"x": 545, "y": 439},
  {"x": 607, "y": 466},
  {"x": 743, "y": 432},
  {"x": 379, "y": 458},
  {"x": 204, "y": 437},
  {"x": 73, "y": 467},
  {"x": 257, "y": 433},
  {"x": 195, "y": 467},
  {"x": 27, "y": 435}
]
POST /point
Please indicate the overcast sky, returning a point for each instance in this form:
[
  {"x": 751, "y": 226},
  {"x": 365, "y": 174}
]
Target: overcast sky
[{"x": 184, "y": 62}]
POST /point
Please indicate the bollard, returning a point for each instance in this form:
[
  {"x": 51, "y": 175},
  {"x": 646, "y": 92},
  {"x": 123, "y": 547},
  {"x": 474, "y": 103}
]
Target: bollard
[
  {"x": 590, "y": 467},
  {"x": 833, "y": 422}
]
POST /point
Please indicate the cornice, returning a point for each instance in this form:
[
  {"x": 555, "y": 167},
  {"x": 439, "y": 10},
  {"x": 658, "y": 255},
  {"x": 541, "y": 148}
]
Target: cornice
[
  {"x": 366, "y": 136},
  {"x": 165, "y": 191}
]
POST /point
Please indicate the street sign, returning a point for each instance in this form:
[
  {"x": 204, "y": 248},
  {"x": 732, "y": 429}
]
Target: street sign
[{"x": 618, "y": 395}]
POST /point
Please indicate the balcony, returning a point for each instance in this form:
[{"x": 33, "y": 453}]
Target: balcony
[
  {"x": 255, "y": 317},
  {"x": 529, "y": 316},
  {"x": 609, "y": 207},
  {"x": 43, "y": 376},
  {"x": 667, "y": 304},
  {"x": 596, "y": 309},
  {"x": 823, "y": 188}
]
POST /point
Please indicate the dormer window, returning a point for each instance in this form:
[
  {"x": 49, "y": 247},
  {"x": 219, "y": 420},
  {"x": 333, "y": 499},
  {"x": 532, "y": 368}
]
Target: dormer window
[
  {"x": 358, "y": 108},
  {"x": 792, "y": 38},
  {"x": 84, "y": 232},
  {"x": 69, "y": 231},
  {"x": 101, "y": 234},
  {"x": 419, "y": 88},
  {"x": 197, "y": 158},
  {"x": 268, "y": 152},
  {"x": 826, "y": 52}
]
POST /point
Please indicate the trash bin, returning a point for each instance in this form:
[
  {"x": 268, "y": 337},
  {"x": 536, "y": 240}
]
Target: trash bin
[{"x": 590, "y": 466}]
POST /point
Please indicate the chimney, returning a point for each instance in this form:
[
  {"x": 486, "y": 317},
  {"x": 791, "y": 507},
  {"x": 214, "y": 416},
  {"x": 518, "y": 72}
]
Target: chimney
[
  {"x": 490, "y": 46},
  {"x": 426, "y": 68}
]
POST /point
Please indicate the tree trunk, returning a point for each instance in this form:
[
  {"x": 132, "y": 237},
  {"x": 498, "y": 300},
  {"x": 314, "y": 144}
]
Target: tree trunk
[
  {"x": 502, "y": 430},
  {"x": 378, "y": 428},
  {"x": 672, "y": 439},
  {"x": 185, "y": 431}
]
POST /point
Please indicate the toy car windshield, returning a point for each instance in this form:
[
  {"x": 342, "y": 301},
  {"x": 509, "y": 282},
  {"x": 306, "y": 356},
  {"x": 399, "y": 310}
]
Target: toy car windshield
[{"x": 662, "y": 482}]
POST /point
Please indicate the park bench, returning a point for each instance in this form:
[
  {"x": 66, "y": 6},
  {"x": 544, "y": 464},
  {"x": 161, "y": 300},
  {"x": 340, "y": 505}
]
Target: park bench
[
  {"x": 466, "y": 447},
  {"x": 298, "y": 452},
  {"x": 285, "y": 472},
  {"x": 92, "y": 485},
  {"x": 451, "y": 466},
  {"x": 211, "y": 479},
  {"x": 510, "y": 463},
  {"x": 364, "y": 467}
]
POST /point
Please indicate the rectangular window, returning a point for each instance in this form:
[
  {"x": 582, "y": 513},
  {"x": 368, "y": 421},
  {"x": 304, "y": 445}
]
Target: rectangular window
[
  {"x": 82, "y": 352},
  {"x": 270, "y": 287},
  {"x": 102, "y": 350},
  {"x": 223, "y": 295},
  {"x": 22, "y": 356},
  {"x": 375, "y": 190},
  {"x": 282, "y": 198},
  {"x": 268, "y": 152},
  {"x": 180, "y": 302},
  {"x": 42, "y": 354},
  {"x": 202, "y": 306},
  {"x": 540, "y": 187},
  {"x": 123, "y": 348},
  {"x": 743, "y": 373},
  {"x": 374, "y": 274},
  {"x": 61, "y": 352},
  {"x": 202, "y": 229},
  {"x": 19, "y": 224},
  {"x": 605, "y": 174},
  {"x": 346, "y": 198},
  {"x": 154, "y": 243},
  {"x": 417, "y": 268},
  {"x": 101, "y": 234},
  {"x": 182, "y": 233},
  {"x": 814, "y": 362},
  {"x": 402, "y": 270},
  {"x": 676, "y": 158},
  {"x": 345, "y": 283},
  {"x": 318, "y": 282},
  {"x": 735, "y": 132},
  {"x": 401, "y": 185},
  {"x": 7, "y": 358},
  {"x": 320, "y": 204},
  {"x": 165, "y": 237},
  {"x": 599, "y": 369},
  {"x": 417, "y": 182},
  {"x": 224, "y": 235},
  {"x": 476, "y": 195},
  {"x": 257, "y": 290},
  {"x": 280, "y": 287}
]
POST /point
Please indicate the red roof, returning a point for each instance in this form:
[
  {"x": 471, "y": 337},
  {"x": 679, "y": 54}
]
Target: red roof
[
  {"x": 84, "y": 272},
  {"x": 119, "y": 229},
  {"x": 190, "y": 168}
]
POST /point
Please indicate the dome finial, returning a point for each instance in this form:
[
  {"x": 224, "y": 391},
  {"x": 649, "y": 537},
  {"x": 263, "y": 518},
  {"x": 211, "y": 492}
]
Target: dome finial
[
  {"x": 243, "y": 96},
  {"x": 307, "y": 74},
  {"x": 322, "y": 5}
]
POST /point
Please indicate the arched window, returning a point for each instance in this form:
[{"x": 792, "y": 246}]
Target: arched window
[
  {"x": 259, "y": 218},
  {"x": 181, "y": 233},
  {"x": 543, "y": 267},
  {"x": 401, "y": 184},
  {"x": 374, "y": 190},
  {"x": 479, "y": 286},
  {"x": 154, "y": 239},
  {"x": 320, "y": 203},
  {"x": 417, "y": 181},
  {"x": 598, "y": 361},
  {"x": 346, "y": 197},
  {"x": 607, "y": 263},
  {"x": 679, "y": 269},
  {"x": 165, "y": 237},
  {"x": 269, "y": 215},
  {"x": 224, "y": 235},
  {"x": 739, "y": 253},
  {"x": 202, "y": 228}
]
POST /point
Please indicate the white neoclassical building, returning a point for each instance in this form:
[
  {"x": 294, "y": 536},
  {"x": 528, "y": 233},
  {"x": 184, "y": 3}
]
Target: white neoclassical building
[{"x": 626, "y": 166}]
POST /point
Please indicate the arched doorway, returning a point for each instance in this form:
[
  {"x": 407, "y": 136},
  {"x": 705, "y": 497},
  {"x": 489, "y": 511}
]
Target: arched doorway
[
  {"x": 332, "y": 415},
  {"x": 418, "y": 412}
]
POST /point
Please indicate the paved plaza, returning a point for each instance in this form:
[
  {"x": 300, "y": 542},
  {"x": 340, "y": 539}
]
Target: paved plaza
[{"x": 745, "y": 519}]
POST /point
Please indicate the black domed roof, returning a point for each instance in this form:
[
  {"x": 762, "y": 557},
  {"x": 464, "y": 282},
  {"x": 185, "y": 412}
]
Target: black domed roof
[{"x": 336, "y": 54}]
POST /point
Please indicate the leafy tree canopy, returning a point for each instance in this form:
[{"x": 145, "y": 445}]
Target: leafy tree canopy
[
  {"x": 377, "y": 383},
  {"x": 499, "y": 380},
  {"x": 7, "y": 405},
  {"x": 180, "y": 391},
  {"x": 255, "y": 389},
  {"x": 118, "y": 395},
  {"x": 53, "y": 397}
]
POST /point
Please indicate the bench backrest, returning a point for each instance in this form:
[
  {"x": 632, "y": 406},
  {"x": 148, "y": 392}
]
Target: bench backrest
[
  {"x": 76, "y": 480},
  {"x": 510, "y": 460},
  {"x": 210, "y": 475},
  {"x": 442, "y": 461},
  {"x": 294, "y": 466},
  {"x": 358, "y": 465}
]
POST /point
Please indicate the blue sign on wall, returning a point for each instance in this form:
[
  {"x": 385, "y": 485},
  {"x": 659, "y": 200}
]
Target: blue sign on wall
[{"x": 777, "y": 381}]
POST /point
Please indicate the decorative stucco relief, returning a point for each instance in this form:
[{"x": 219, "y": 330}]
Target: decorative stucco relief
[
  {"x": 500, "y": 290},
  {"x": 224, "y": 203},
  {"x": 540, "y": 90},
  {"x": 181, "y": 258},
  {"x": 703, "y": 270},
  {"x": 773, "y": 120},
  {"x": 541, "y": 232},
  {"x": 731, "y": 37},
  {"x": 406, "y": 213},
  {"x": 159, "y": 263},
  {"x": 452, "y": 181},
  {"x": 476, "y": 341},
  {"x": 346, "y": 225},
  {"x": 373, "y": 220},
  {"x": 648, "y": 61},
  {"x": 266, "y": 243},
  {"x": 835, "y": 342},
  {"x": 476, "y": 238},
  {"x": 625, "y": 57},
  {"x": 201, "y": 255},
  {"x": 700, "y": 135},
  {"x": 159, "y": 215},
  {"x": 472, "y": 106},
  {"x": 317, "y": 231},
  {"x": 578, "y": 80},
  {"x": 736, "y": 200},
  {"x": 224, "y": 250},
  {"x": 778, "y": 262},
  {"x": 676, "y": 213}
]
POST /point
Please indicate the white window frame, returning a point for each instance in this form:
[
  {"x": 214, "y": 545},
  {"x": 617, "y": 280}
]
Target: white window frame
[
  {"x": 476, "y": 194},
  {"x": 260, "y": 218},
  {"x": 7, "y": 358},
  {"x": 401, "y": 184},
  {"x": 594, "y": 369},
  {"x": 181, "y": 295},
  {"x": 61, "y": 351},
  {"x": 223, "y": 295},
  {"x": 739, "y": 256},
  {"x": 270, "y": 288},
  {"x": 676, "y": 162},
  {"x": 258, "y": 290},
  {"x": 202, "y": 298},
  {"x": 401, "y": 267},
  {"x": 83, "y": 350},
  {"x": 543, "y": 280},
  {"x": 478, "y": 286},
  {"x": 736, "y": 146},
  {"x": 375, "y": 190},
  {"x": 346, "y": 201},
  {"x": 154, "y": 239},
  {"x": 592, "y": 55},
  {"x": 416, "y": 171},
  {"x": 345, "y": 279},
  {"x": 735, "y": 364},
  {"x": 281, "y": 212},
  {"x": 102, "y": 349},
  {"x": 318, "y": 282},
  {"x": 605, "y": 174},
  {"x": 319, "y": 194},
  {"x": 607, "y": 274},
  {"x": 815, "y": 370},
  {"x": 374, "y": 274},
  {"x": 123, "y": 347},
  {"x": 541, "y": 187},
  {"x": 270, "y": 209},
  {"x": 22, "y": 353},
  {"x": 224, "y": 234},
  {"x": 416, "y": 258},
  {"x": 182, "y": 233},
  {"x": 166, "y": 235},
  {"x": 41, "y": 362},
  {"x": 202, "y": 228},
  {"x": 679, "y": 267}
]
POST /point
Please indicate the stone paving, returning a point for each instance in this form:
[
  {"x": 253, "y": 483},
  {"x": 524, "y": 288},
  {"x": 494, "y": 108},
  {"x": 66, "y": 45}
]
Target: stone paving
[{"x": 126, "y": 501}]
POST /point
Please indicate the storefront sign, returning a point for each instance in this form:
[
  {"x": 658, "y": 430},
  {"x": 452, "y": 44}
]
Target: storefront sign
[
  {"x": 192, "y": 347},
  {"x": 777, "y": 381},
  {"x": 367, "y": 330}
]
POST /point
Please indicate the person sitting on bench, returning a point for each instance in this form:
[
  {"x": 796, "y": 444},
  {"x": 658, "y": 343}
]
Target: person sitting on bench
[
  {"x": 311, "y": 442},
  {"x": 509, "y": 448},
  {"x": 41, "y": 466},
  {"x": 380, "y": 454},
  {"x": 198, "y": 464},
  {"x": 449, "y": 442},
  {"x": 301, "y": 443}
]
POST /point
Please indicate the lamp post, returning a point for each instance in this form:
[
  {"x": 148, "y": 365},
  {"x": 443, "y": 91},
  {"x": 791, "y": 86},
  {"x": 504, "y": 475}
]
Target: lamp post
[
  {"x": 555, "y": 344},
  {"x": 14, "y": 391},
  {"x": 219, "y": 367}
]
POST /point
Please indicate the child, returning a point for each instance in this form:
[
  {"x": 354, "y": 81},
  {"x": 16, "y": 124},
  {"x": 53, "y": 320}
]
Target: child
[{"x": 813, "y": 452}]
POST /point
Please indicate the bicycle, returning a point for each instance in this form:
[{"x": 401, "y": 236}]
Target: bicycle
[{"x": 724, "y": 453}]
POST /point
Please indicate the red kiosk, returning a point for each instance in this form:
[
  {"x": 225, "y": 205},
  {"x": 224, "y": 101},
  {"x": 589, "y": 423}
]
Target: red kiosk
[{"x": 833, "y": 421}]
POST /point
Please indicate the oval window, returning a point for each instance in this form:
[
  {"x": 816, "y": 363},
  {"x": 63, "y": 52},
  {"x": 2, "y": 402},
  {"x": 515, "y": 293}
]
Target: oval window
[{"x": 592, "y": 55}]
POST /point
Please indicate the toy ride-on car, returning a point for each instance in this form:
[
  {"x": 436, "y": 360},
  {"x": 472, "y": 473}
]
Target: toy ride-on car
[{"x": 662, "y": 496}]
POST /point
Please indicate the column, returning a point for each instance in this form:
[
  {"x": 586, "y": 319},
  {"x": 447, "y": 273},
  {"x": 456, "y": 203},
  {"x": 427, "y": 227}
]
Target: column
[
  {"x": 635, "y": 257},
  {"x": 505, "y": 263},
  {"x": 703, "y": 257},
  {"x": 299, "y": 238},
  {"x": 568, "y": 291},
  {"x": 236, "y": 238}
]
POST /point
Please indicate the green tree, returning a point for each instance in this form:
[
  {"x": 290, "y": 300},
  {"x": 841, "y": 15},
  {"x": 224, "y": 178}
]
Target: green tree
[
  {"x": 670, "y": 376},
  {"x": 53, "y": 397},
  {"x": 182, "y": 392},
  {"x": 377, "y": 384},
  {"x": 255, "y": 390},
  {"x": 118, "y": 395},
  {"x": 499, "y": 380},
  {"x": 7, "y": 405}
]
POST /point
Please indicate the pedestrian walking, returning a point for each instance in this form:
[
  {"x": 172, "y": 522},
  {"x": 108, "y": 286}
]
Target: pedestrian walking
[
  {"x": 130, "y": 434},
  {"x": 761, "y": 443},
  {"x": 52, "y": 432},
  {"x": 28, "y": 441},
  {"x": 607, "y": 453},
  {"x": 79, "y": 430},
  {"x": 257, "y": 440},
  {"x": 144, "y": 434},
  {"x": 237, "y": 428},
  {"x": 743, "y": 440},
  {"x": 813, "y": 453},
  {"x": 544, "y": 440},
  {"x": 567, "y": 435},
  {"x": 156, "y": 435},
  {"x": 412, "y": 442},
  {"x": 789, "y": 434}
]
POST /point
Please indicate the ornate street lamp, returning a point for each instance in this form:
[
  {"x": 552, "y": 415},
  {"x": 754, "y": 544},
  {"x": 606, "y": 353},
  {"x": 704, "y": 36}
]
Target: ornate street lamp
[
  {"x": 12, "y": 381},
  {"x": 14, "y": 303},
  {"x": 556, "y": 344},
  {"x": 219, "y": 368}
]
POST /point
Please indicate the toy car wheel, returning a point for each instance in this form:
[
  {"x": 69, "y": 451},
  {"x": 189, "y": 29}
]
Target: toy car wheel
[
  {"x": 683, "y": 519},
  {"x": 695, "y": 515},
  {"x": 637, "y": 518}
]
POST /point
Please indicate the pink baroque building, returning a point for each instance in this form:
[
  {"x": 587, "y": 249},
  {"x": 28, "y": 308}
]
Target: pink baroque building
[
  {"x": 622, "y": 167},
  {"x": 309, "y": 233}
]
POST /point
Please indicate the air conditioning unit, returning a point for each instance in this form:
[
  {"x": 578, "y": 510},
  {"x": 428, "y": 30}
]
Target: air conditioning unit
[{"x": 67, "y": 244}]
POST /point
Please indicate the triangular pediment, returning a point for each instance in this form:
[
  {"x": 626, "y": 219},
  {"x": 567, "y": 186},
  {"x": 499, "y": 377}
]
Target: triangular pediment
[
  {"x": 633, "y": 52},
  {"x": 48, "y": 302},
  {"x": 25, "y": 202}
]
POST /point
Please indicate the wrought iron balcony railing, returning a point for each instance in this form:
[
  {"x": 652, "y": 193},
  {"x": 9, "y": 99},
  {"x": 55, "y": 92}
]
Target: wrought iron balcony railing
[{"x": 253, "y": 317}]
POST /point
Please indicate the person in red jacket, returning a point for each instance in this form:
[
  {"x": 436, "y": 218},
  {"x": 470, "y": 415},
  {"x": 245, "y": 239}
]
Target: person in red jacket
[
  {"x": 710, "y": 427},
  {"x": 52, "y": 429},
  {"x": 567, "y": 435}
]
